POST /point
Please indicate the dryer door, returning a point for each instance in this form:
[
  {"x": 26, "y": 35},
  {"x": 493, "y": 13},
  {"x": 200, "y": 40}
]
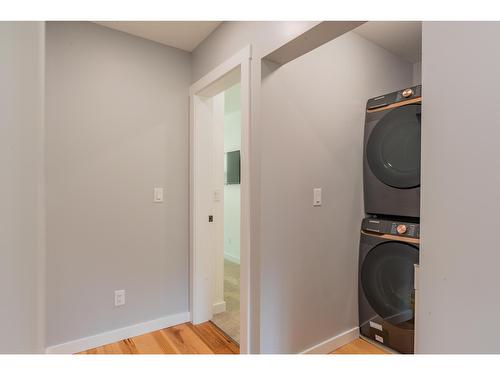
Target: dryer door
[
  {"x": 393, "y": 148},
  {"x": 387, "y": 280}
]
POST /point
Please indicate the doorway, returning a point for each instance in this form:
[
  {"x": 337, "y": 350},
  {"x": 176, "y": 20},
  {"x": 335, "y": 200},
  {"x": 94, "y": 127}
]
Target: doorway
[
  {"x": 227, "y": 147},
  {"x": 219, "y": 198}
]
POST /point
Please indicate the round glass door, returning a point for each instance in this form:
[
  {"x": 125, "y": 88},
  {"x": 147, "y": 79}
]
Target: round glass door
[
  {"x": 387, "y": 281},
  {"x": 393, "y": 149}
]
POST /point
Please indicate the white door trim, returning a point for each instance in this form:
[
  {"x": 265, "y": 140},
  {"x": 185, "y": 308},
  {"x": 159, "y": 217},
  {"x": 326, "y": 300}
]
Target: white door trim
[{"x": 197, "y": 263}]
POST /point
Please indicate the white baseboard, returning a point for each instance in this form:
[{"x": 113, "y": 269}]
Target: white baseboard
[
  {"x": 219, "y": 307},
  {"x": 333, "y": 343},
  {"x": 232, "y": 258},
  {"x": 109, "y": 337}
]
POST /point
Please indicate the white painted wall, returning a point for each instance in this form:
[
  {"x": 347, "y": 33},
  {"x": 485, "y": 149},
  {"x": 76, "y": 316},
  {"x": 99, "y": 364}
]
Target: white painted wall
[
  {"x": 232, "y": 195},
  {"x": 417, "y": 73},
  {"x": 117, "y": 126},
  {"x": 22, "y": 280},
  {"x": 458, "y": 306}
]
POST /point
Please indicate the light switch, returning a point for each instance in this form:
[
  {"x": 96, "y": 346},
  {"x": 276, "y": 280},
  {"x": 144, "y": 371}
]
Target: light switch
[
  {"x": 317, "y": 197},
  {"x": 119, "y": 297},
  {"x": 158, "y": 195}
]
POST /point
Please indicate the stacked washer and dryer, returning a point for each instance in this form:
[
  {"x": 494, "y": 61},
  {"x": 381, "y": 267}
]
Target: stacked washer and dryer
[{"x": 390, "y": 232}]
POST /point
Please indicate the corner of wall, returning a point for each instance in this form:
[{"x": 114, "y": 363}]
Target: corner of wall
[{"x": 42, "y": 238}]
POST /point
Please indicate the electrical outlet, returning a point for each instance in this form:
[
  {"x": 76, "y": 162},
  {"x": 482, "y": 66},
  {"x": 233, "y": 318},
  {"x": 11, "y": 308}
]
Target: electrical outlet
[{"x": 119, "y": 297}]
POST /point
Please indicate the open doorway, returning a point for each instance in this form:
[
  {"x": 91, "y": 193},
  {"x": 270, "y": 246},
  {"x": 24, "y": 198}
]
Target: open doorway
[
  {"x": 219, "y": 199},
  {"x": 227, "y": 147}
]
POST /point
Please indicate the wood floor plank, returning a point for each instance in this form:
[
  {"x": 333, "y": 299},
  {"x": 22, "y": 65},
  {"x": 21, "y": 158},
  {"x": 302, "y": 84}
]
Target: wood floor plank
[
  {"x": 204, "y": 338},
  {"x": 127, "y": 346},
  {"x": 186, "y": 341},
  {"x": 102, "y": 350},
  {"x": 215, "y": 338},
  {"x": 146, "y": 344},
  {"x": 164, "y": 343},
  {"x": 117, "y": 347},
  {"x": 359, "y": 346}
]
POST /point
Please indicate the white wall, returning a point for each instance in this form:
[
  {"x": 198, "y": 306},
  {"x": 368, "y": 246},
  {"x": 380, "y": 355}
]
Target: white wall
[
  {"x": 117, "y": 126},
  {"x": 458, "y": 306},
  {"x": 232, "y": 197},
  {"x": 417, "y": 73},
  {"x": 21, "y": 189}
]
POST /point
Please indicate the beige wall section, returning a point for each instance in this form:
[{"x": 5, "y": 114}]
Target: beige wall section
[
  {"x": 21, "y": 189},
  {"x": 458, "y": 306},
  {"x": 417, "y": 73},
  {"x": 313, "y": 116},
  {"x": 117, "y": 126}
]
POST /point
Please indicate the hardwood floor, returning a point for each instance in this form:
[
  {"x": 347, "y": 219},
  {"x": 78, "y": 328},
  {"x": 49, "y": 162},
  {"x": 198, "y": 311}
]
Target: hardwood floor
[
  {"x": 185, "y": 338},
  {"x": 204, "y": 338},
  {"x": 359, "y": 346}
]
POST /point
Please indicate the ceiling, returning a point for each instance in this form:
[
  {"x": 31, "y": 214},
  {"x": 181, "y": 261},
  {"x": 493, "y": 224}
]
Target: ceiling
[
  {"x": 185, "y": 35},
  {"x": 403, "y": 38}
]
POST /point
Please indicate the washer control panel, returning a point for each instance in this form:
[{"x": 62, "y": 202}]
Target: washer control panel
[
  {"x": 396, "y": 228},
  {"x": 394, "y": 97}
]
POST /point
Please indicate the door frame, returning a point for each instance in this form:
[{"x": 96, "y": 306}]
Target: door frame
[{"x": 197, "y": 264}]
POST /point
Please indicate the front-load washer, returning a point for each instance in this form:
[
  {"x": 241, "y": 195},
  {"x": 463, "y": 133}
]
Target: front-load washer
[
  {"x": 388, "y": 253},
  {"x": 391, "y": 161}
]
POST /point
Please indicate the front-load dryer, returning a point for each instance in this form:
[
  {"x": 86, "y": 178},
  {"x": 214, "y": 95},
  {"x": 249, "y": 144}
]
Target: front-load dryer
[
  {"x": 391, "y": 161},
  {"x": 388, "y": 252}
]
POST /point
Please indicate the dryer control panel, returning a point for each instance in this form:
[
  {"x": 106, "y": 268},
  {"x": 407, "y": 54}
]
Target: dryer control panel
[
  {"x": 394, "y": 97},
  {"x": 396, "y": 228}
]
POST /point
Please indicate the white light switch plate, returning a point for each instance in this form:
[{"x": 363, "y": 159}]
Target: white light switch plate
[
  {"x": 317, "y": 197},
  {"x": 119, "y": 297},
  {"x": 158, "y": 194}
]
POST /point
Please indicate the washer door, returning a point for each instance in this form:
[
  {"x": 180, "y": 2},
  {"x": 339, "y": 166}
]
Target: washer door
[
  {"x": 393, "y": 149},
  {"x": 387, "y": 281}
]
